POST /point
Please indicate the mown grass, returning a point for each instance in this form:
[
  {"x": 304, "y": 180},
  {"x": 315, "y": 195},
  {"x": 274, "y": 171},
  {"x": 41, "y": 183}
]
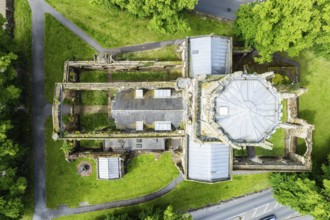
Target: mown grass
[
  {"x": 114, "y": 28},
  {"x": 96, "y": 122},
  {"x": 64, "y": 186},
  {"x": 167, "y": 53},
  {"x": 141, "y": 76},
  {"x": 278, "y": 141},
  {"x": 101, "y": 76},
  {"x": 315, "y": 104},
  {"x": 94, "y": 76},
  {"x": 191, "y": 195},
  {"x": 23, "y": 31},
  {"x": 60, "y": 45}
]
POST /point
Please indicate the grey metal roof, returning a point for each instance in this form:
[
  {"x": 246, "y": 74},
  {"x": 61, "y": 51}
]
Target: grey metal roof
[
  {"x": 210, "y": 55},
  {"x": 248, "y": 109},
  {"x": 126, "y": 110},
  {"x": 109, "y": 168},
  {"x": 208, "y": 161}
]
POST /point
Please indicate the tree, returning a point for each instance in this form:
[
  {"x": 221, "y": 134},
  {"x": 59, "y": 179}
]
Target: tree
[
  {"x": 166, "y": 15},
  {"x": 282, "y": 26},
  {"x": 302, "y": 193},
  {"x": 322, "y": 46},
  {"x": 12, "y": 184}
]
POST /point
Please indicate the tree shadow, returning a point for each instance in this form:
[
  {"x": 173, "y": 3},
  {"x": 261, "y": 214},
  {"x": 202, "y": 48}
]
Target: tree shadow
[{"x": 308, "y": 115}]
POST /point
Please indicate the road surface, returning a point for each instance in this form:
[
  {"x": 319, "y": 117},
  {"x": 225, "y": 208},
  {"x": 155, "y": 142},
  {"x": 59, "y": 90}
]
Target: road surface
[
  {"x": 220, "y": 8},
  {"x": 252, "y": 207}
]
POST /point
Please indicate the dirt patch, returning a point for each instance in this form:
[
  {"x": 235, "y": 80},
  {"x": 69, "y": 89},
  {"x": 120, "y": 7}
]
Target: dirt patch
[{"x": 85, "y": 168}]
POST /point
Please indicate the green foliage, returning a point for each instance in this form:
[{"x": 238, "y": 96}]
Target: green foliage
[
  {"x": 279, "y": 79},
  {"x": 322, "y": 46},
  {"x": 302, "y": 193},
  {"x": 166, "y": 16},
  {"x": 96, "y": 122},
  {"x": 12, "y": 184},
  {"x": 66, "y": 147},
  {"x": 102, "y": 76},
  {"x": 282, "y": 26},
  {"x": 91, "y": 97}
]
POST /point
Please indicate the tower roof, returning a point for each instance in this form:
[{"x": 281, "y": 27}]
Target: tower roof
[{"x": 247, "y": 108}]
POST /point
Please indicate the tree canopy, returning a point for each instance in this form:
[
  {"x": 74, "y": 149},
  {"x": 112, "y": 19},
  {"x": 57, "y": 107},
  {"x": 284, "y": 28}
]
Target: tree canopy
[
  {"x": 12, "y": 184},
  {"x": 284, "y": 26},
  {"x": 166, "y": 15},
  {"x": 302, "y": 193}
]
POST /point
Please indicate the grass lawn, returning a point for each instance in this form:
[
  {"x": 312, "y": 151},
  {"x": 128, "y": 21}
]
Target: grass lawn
[
  {"x": 167, "y": 53},
  {"x": 92, "y": 97},
  {"x": 96, "y": 122},
  {"x": 141, "y": 76},
  {"x": 94, "y": 76},
  {"x": 315, "y": 104},
  {"x": 60, "y": 45},
  {"x": 114, "y": 28},
  {"x": 301, "y": 147},
  {"x": 101, "y": 76},
  {"x": 22, "y": 30},
  {"x": 191, "y": 195},
  {"x": 64, "y": 186},
  {"x": 278, "y": 145}
]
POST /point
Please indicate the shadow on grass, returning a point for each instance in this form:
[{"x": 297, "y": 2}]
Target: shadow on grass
[{"x": 308, "y": 115}]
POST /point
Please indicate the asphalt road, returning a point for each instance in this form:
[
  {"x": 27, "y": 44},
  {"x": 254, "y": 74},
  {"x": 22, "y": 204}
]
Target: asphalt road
[
  {"x": 251, "y": 207},
  {"x": 220, "y": 8}
]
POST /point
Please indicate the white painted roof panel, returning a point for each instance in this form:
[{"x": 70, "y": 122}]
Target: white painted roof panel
[
  {"x": 209, "y": 55},
  {"x": 109, "y": 168},
  {"x": 162, "y": 93},
  {"x": 163, "y": 126},
  {"x": 208, "y": 162}
]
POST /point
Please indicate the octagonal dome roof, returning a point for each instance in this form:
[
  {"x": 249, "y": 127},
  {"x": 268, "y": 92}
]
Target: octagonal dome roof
[{"x": 248, "y": 109}]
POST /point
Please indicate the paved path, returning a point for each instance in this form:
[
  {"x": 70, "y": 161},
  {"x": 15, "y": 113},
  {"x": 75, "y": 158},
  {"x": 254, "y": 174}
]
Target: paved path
[
  {"x": 220, "y": 8},
  {"x": 49, "y": 9},
  {"x": 39, "y": 104},
  {"x": 252, "y": 207},
  {"x": 67, "y": 211}
]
